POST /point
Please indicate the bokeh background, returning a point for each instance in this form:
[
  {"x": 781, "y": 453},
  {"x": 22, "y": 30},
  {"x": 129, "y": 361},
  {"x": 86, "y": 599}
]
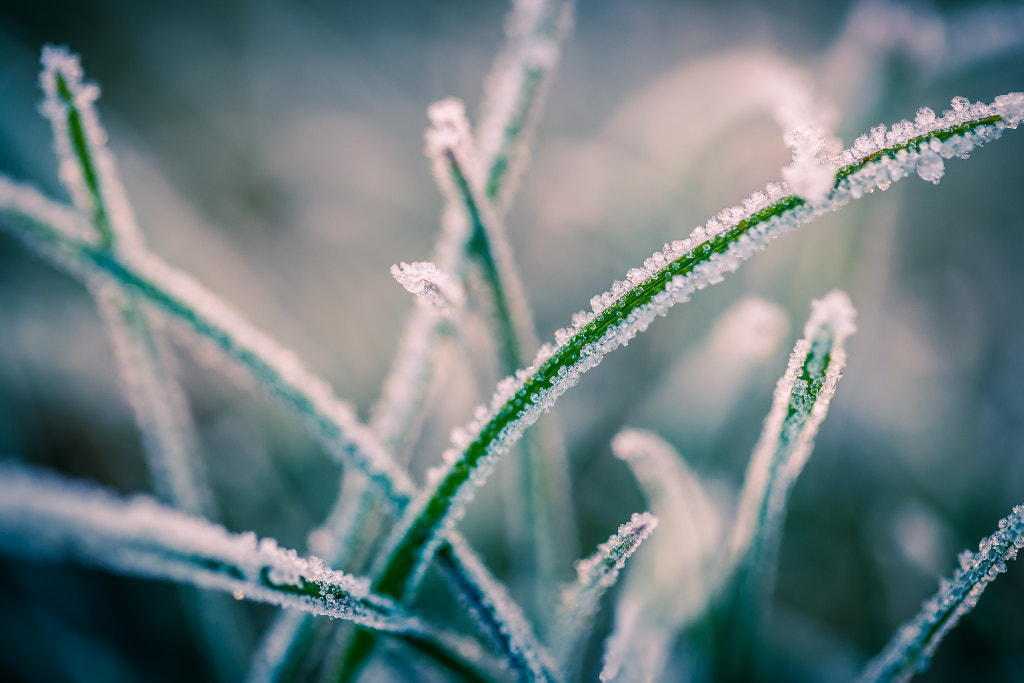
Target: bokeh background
[{"x": 274, "y": 150}]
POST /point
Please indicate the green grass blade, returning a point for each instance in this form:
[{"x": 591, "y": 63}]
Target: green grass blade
[
  {"x": 44, "y": 516},
  {"x": 540, "y": 521},
  {"x": 48, "y": 517},
  {"x": 515, "y": 91},
  {"x": 142, "y": 352},
  {"x": 497, "y": 615},
  {"x": 667, "y": 278},
  {"x": 912, "y": 647},
  {"x": 89, "y": 172},
  {"x": 595, "y": 575},
  {"x": 801, "y": 402}
]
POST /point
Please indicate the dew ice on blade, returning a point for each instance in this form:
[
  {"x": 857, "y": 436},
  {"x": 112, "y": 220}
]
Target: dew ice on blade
[
  {"x": 801, "y": 400},
  {"x": 800, "y": 404},
  {"x": 496, "y": 614},
  {"x": 911, "y": 649},
  {"x": 24, "y": 203},
  {"x": 515, "y": 87},
  {"x": 430, "y": 284},
  {"x": 1010, "y": 107},
  {"x": 594, "y": 575},
  {"x": 87, "y": 168},
  {"x": 42, "y": 515}
]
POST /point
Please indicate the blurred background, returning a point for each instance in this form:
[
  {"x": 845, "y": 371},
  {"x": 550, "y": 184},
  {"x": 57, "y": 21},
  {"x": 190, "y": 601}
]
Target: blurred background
[{"x": 274, "y": 151}]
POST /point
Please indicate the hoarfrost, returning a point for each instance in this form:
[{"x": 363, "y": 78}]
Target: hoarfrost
[
  {"x": 89, "y": 172},
  {"x": 430, "y": 283},
  {"x": 800, "y": 404},
  {"x": 594, "y": 575},
  {"x": 514, "y": 91},
  {"x": 45, "y": 516},
  {"x": 496, "y": 614},
  {"x": 911, "y": 649}
]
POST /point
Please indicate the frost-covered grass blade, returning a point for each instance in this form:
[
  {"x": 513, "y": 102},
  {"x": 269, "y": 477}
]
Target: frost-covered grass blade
[
  {"x": 800, "y": 404},
  {"x": 911, "y": 649},
  {"x": 89, "y": 173},
  {"x": 46, "y": 517},
  {"x": 595, "y": 575},
  {"x": 146, "y": 365}
]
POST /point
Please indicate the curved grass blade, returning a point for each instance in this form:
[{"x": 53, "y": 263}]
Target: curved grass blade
[
  {"x": 595, "y": 575},
  {"x": 220, "y": 330},
  {"x": 912, "y": 647},
  {"x": 47, "y": 517},
  {"x": 669, "y": 585},
  {"x": 801, "y": 402},
  {"x": 667, "y": 278},
  {"x": 497, "y": 615},
  {"x": 144, "y": 358},
  {"x": 515, "y": 91}
]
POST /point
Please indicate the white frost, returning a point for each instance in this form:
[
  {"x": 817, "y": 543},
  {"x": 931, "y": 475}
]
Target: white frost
[
  {"x": 430, "y": 284},
  {"x": 594, "y": 575},
  {"x": 784, "y": 447},
  {"x": 911, "y": 649},
  {"x": 45, "y": 516},
  {"x": 514, "y": 90},
  {"x": 60, "y": 65}
]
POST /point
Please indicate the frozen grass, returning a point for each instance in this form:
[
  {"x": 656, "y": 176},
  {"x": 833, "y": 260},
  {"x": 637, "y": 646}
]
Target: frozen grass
[{"x": 684, "y": 584}]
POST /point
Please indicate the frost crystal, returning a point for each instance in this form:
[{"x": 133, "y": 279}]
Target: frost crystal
[
  {"x": 515, "y": 87},
  {"x": 496, "y": 614},
  {"x": 431, "y": 284},
  {"x": 87, "y": 170}
]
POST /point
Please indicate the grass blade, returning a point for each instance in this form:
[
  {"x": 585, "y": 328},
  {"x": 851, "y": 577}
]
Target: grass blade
[
  {"x": 145, "y": 362},
  {"x": 540, "y": 521},
  {"x": 595, "y": 575},
  {"x": 515, "y": 91},
  {"x": 47, "y": 517},
  {"x": 801, "y": 402},
  {"x": 497, "y": 615},
  {"x": 912, "y": 647}
]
